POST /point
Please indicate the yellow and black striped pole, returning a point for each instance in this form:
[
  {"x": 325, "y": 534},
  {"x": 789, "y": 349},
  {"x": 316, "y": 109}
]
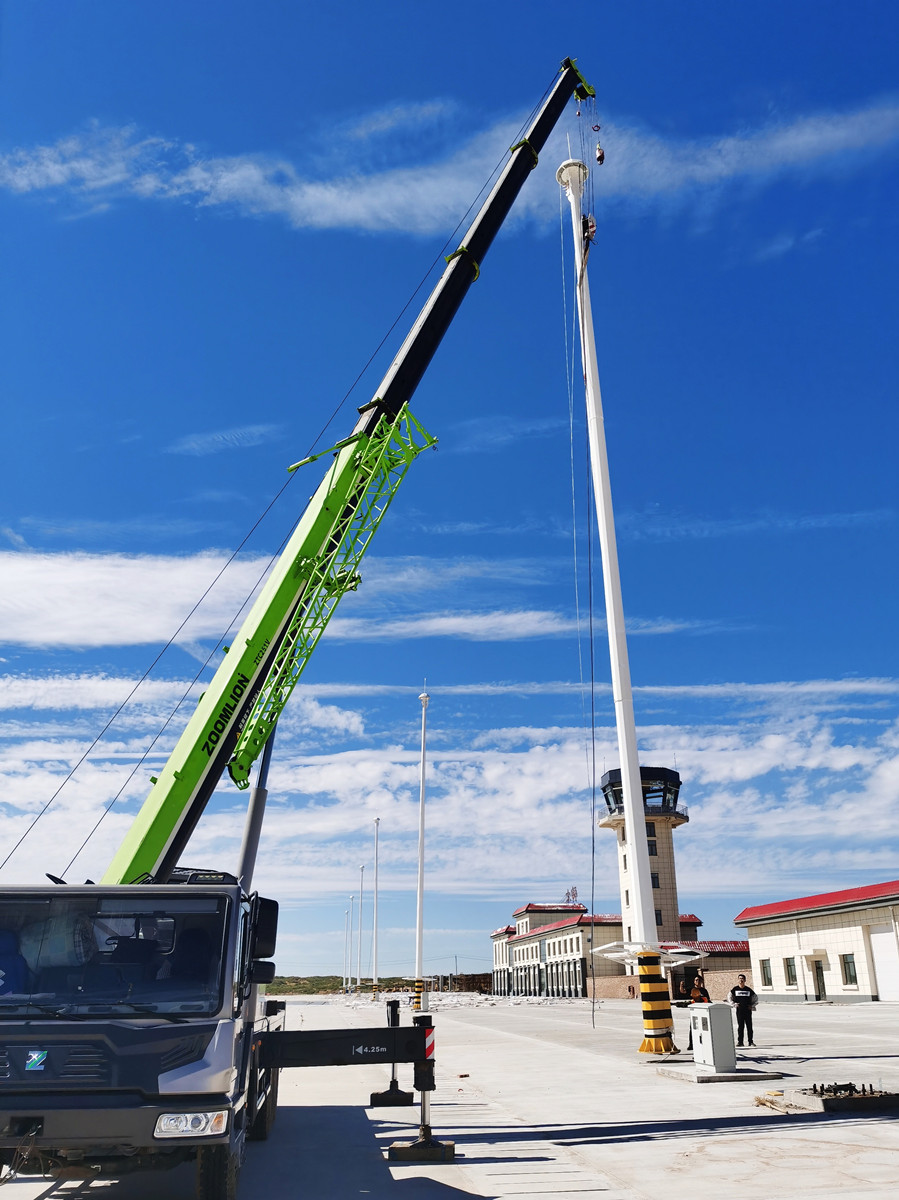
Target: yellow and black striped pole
[
  {"x": 419, "y": 987},
  {"x": 658, "y": 1025}
]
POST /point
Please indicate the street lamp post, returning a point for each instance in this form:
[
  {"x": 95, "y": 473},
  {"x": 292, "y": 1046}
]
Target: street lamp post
[
  {"x": 346, "y": 946},
  {"x": 349, "y": 957},
  {"x": 359, "y": 957},
  {"x": 421, "y": 996},
  {"x": 374, "y": 922}
]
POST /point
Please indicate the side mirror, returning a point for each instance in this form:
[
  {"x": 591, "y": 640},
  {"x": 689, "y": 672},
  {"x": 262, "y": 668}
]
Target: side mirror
[
  {"x": 265, "y": 927},
  {"x": 262, "y": 972}
]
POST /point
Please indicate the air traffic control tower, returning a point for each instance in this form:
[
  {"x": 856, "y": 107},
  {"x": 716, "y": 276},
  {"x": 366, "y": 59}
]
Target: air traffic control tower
[{"x": 661, "y": 788}]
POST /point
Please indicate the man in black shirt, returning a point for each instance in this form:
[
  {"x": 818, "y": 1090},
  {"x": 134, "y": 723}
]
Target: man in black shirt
[{"x": 744, "y": 1000}]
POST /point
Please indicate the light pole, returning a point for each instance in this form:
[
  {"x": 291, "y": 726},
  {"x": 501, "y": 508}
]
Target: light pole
[
  {"x": 359, "y": 957},
  {"x": 421, "y": 996},
  {"x": 349, "y": 957},
  {"x": 641, "y": 942},
  {"x": 374, "y": 922},
  {"x": 346, "y": 946}
]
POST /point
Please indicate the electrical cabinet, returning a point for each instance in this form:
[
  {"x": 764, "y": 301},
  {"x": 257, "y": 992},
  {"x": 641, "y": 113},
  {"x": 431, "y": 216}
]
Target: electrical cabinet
[{"x": 713, "y": 1036}]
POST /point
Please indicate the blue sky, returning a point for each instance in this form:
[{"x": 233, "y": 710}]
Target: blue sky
[{"x": 209, "y": 225}]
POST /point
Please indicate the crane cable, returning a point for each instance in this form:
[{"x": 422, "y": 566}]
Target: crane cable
[
  {"x": 146, "y": 675},
  {"x": 338, "y": 408}
]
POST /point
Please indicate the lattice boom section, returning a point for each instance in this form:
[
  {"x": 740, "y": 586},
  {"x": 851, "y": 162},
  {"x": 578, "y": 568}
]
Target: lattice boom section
[{"x": 383, "y": 462}]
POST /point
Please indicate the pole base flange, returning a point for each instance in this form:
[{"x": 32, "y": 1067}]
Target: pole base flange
[
  {"x": 658, "y": 1045},
  {"x": 394, "y": 1097},
  {"x": 424, "y": 1150}
]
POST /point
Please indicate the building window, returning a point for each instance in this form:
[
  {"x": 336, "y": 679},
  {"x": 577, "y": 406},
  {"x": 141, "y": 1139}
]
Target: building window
[
  {"x": 847, "y": 962},
  {"x": 765, "y": 968},
  {"x": 655, "y": 879},
  {"x": 790, "y": 971},
  {"x": 652, "y": 846},
  {"x": 624, "y": 862},
  {"x": 627, "y": 898},
  {"x": 658, "y": 916},
  {"x": 650, "y": 828},
  {"x": 622, "y": 836}
]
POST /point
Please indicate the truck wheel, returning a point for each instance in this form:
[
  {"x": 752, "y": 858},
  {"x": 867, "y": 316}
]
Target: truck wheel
[
  {"x": 218, "y": 1170},
  {"x": 265, "y": 1116}
]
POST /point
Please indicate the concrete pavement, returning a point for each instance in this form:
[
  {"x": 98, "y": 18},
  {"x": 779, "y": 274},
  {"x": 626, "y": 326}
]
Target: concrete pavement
[{"x": 551, "y": 1099}]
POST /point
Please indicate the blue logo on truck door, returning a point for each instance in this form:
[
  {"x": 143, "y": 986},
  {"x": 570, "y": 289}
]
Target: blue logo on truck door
[{"x": 35, "y": 1059}]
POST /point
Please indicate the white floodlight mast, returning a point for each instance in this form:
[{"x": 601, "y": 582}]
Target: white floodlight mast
[
  {"x": 346, "y": 947},
  {"x": 572, "y": 175},
  {"x": 374, "y": 921},
  {"x": 420, "y": 893},
  {"x": 359, "y": 958}
]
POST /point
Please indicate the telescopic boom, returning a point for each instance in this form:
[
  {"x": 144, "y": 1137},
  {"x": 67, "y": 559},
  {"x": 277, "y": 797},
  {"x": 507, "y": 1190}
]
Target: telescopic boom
[{"x": 239, "y": 709}]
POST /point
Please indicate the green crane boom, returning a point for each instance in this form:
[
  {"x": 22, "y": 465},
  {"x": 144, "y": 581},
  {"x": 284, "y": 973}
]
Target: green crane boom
[{"x": 238, "y": 711}]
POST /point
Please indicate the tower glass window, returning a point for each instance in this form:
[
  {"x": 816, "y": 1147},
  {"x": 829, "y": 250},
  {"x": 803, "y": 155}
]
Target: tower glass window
[
  {"x": 653, "y": 847},
  {"x": 650, "y": 828},
  {"x": 655, "y": 879},
  {"x": 658, "y": 916}
]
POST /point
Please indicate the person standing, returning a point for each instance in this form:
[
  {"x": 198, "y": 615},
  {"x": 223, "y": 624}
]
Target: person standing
[
  {"x": 745, "y": 1001},
  {"x": 698, "y": 995}
]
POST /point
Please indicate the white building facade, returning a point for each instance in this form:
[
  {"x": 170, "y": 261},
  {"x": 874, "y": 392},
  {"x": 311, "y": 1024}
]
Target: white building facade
[
  {"x": 549, "y": 950},
  {"x": 839, "y": 946}
]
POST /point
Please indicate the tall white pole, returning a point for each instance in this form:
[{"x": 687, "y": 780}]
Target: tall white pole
[
  {"x": 571, "y": 175},
  {"x": 374, "y": 921},
  {"x": 349, "y": 958},
  {"x": 359, "y": 958},
  {"x": 421, "y": 995},
  {"x": 346, "y": 946}
]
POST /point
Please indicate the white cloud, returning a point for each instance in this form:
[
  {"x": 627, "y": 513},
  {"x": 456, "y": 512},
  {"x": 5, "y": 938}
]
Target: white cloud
[
  {"x": 500, "y": 626},
  {"x": 666, "y": 527},
  {"x": 398, "y": 117},
  {"x": 102, "y": 163},
  {"x": 787, "y": 802},
  {"x": 117, "y": 599},
  {"x": 201, "y": 444}
]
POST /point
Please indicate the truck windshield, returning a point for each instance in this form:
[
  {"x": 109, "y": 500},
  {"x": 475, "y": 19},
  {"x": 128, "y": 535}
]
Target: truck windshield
[{"x": 84, "y": 955}]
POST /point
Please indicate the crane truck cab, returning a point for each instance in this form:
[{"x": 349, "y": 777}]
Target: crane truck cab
[{"x": 130, "y": 1019}]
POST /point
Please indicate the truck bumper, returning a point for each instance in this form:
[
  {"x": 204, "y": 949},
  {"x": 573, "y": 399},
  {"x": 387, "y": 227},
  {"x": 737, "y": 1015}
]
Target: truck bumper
[{"x": 109, "y": 1130}]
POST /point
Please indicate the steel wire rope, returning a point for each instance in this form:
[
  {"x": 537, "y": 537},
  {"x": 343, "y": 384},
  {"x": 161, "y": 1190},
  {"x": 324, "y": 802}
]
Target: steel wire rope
[
  {"x": 184, "y": 696},
  {"x": 150, "y": 668},
  {"x": 488, "y": 183},
  {"x": 447, "y": 242}
]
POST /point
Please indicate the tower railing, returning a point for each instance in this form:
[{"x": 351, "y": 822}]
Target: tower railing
[{"x": 652, "y": 810}]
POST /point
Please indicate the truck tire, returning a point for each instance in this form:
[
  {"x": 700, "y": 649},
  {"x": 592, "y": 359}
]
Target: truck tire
[
  {"x": 218, "y": 1171},
  {"x": 265, "y": 1116}
]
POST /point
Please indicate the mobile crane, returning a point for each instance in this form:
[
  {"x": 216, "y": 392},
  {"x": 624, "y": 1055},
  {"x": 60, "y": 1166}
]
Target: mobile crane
[{"x": 134, "y": 1029}]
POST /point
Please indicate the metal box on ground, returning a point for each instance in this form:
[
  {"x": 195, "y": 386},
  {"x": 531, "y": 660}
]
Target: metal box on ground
[{"x": 712, "y": 1027}]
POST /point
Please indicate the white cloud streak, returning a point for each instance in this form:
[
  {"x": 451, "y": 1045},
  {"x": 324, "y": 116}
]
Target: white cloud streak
[
  {"x": 102, "y": 164},
  {"x": 667, "y": 527},
  {"x": 202, "y": 444},
  {"x": 119, "y": 600}
]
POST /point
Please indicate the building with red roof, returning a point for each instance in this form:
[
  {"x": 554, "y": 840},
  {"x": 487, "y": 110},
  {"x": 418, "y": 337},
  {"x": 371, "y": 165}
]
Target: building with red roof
[
  {"x": 549, "y": 952},
  {"x": 839, "y": 946}
]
